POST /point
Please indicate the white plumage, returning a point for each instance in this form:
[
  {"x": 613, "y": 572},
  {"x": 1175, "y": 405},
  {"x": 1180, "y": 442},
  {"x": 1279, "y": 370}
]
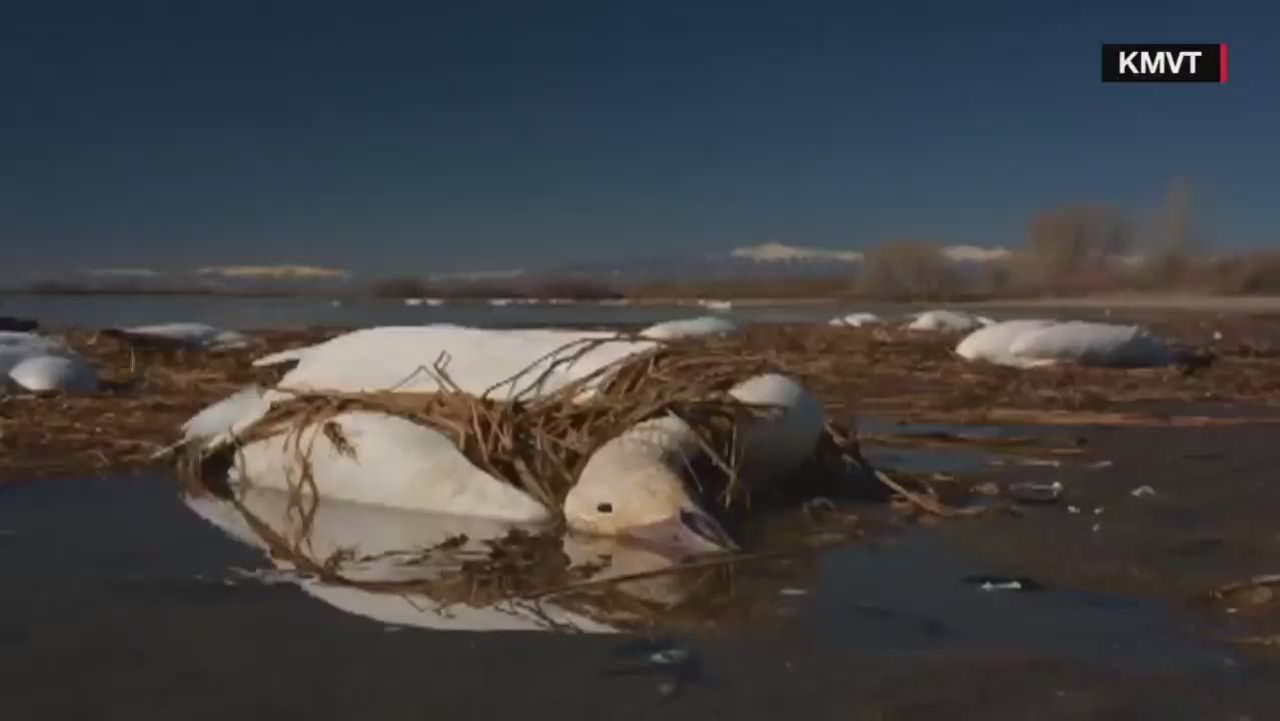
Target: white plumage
[
  {"x": 856, "y": 320},
  {"x": 37, "y": 363},
  {"x": 1026, "y": 343},
  {"x": 689, "y": 327},
  {"x": 43, "y": 373},
  {"x": 992, "y": 343},
  {"x": 947, "y": 321},
  {"x": 500, "y": 363}
]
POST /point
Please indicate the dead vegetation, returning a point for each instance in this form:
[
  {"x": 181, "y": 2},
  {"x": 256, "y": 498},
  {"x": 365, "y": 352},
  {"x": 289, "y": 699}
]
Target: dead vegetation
[
  {"x": 147, "y": 394},
  {"x": 868, "y": 371}
]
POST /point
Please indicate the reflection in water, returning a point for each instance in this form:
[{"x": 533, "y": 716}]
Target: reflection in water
[{"x": 463, "y": 573}]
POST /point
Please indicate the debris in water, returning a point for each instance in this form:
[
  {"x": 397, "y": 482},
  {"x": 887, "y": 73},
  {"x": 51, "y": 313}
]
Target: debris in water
[
  {"x": 1099, "y": 465},
  {"x": 997, "y": 583},
  {"x": 677, "y": 667},
  {"x": 1141, "y": 491},
  {"x": 1073, "y": 510},
  {"x": 1028, "y": 492},
  {"x": 794, "y": 592},
  {"x": 816, "y": 507},
  {"x": 1255, "y": 591},
  {"x": 265, "y": 576},
  {"x": 670, "y": 656}
]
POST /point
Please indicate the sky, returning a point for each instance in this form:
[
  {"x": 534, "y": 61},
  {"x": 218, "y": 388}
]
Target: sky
[{"x": 419, "y": 137}]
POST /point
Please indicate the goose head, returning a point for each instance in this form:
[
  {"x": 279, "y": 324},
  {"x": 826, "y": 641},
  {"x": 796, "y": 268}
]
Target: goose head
[{"x": 650, "y": 505}]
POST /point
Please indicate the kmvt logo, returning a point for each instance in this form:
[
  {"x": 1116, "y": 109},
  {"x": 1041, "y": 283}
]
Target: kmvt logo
[{"x": 1164, "y": 63}]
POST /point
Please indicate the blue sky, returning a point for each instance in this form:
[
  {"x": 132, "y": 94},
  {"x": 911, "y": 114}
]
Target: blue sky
[{"x": 420, "y": 137}]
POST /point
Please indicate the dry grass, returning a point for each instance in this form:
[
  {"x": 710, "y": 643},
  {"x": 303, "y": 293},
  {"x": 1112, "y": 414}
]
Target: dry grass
[{"x": 147, "y": 394}]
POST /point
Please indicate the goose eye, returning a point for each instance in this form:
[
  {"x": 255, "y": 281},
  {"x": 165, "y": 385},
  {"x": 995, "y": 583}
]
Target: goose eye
[{"x": 605, "y": 508}]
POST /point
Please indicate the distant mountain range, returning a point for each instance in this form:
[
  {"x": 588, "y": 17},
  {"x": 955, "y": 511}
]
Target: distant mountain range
[
  {"x": 768, "y": 260},
  {"x": 223, "y": 279},
  {"x": 764, "y": 261}
]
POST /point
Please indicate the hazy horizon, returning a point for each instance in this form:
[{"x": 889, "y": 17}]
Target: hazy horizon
[{"x": 421, "y": 140}]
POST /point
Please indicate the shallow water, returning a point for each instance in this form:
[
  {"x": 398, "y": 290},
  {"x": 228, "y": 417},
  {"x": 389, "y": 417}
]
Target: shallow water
[
  {"x": 960, "y": 458},
  {"x": 281, "y": 313},
  {"x": 120, "y": 602}
]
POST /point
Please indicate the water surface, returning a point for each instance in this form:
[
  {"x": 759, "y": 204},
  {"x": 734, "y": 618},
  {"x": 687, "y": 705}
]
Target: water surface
[
  {"x": 120, "y": 603},
  {"x": 280, "y": 313}
]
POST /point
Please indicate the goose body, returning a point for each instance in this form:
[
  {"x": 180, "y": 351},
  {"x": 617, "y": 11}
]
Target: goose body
[
  {"x": 856, "y": 320},
  {"x": 501, "y": 364},
  {"x": 397, "y": 464},
  {"x": 689, "y": 327},
  {"x": 1027, "y": 343},
  {"x": 638, "y": 476},
  {"x": 1097, "y": 344},
  {"x": 36, "y": 363},
  {"x": 44, "y": 373},
  {"x": 17, "y": 346},
  {"x": 193, "y": 335},
  {"x": 992, "y": 343},
  {"x": 947, "y": 321}
]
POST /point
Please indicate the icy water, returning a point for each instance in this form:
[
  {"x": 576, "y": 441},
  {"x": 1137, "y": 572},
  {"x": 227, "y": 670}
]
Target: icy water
[
  {"x": 121, "y": 602},
  {"x": 280, "y": 313}
]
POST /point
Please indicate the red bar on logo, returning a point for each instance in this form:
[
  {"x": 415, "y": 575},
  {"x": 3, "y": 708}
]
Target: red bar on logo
[{"x": 1222, "y": 62}]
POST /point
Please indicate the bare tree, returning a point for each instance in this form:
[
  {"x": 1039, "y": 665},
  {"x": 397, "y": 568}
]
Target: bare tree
[
  {"x": 1176, "y": 240},
  {"x": 907, "y": 269},
  {"x": 1075, "y": 242}
]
